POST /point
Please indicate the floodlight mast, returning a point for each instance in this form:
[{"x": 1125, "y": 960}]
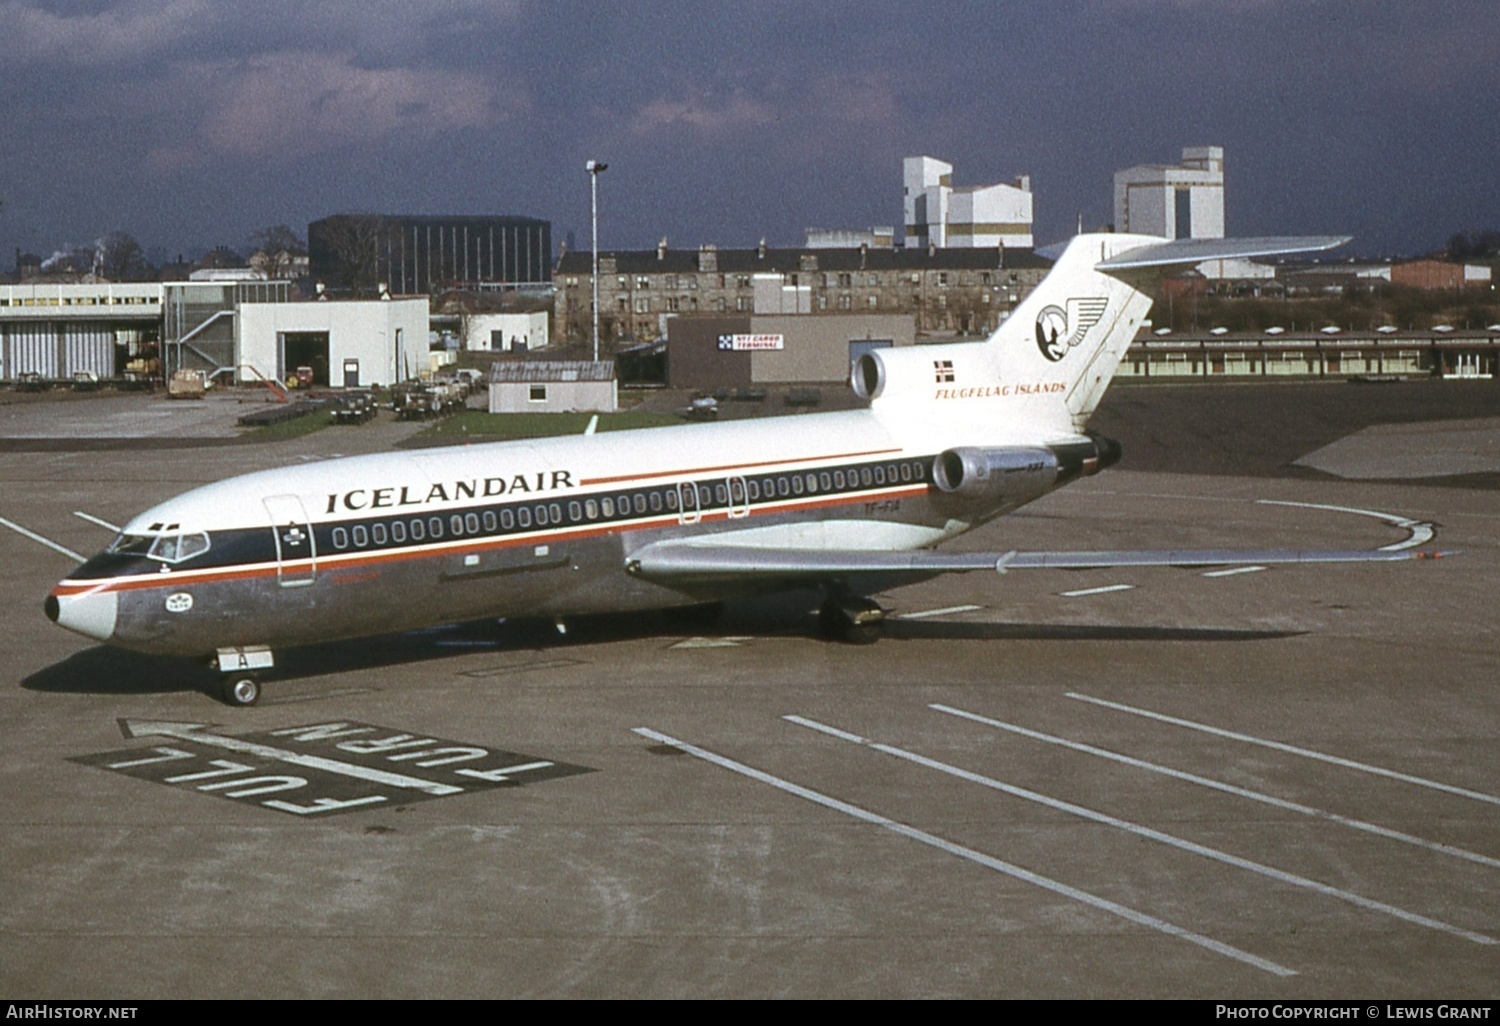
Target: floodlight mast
[{"x": 594, "y": 167}]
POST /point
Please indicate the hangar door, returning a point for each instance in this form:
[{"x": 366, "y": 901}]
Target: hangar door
[
  {"x": 860, "y": 346},
  {"x": 296, "y": 349}
]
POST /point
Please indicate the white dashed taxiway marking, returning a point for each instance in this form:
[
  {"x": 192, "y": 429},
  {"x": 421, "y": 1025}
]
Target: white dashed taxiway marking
[
  {"x": 81, "y": 515},
  {"x": 1014, "y": 871},
  {"x": 1096, "y": 591},
  {"x": 38, "y": 538},
  {"x": 1306, "y": 753},
  {"x": 1232, "y": 571},
  {"x": 1221, "y": 786},
  {"x": 1171, "y": 840},
  {"x": 924, "y": 614}
]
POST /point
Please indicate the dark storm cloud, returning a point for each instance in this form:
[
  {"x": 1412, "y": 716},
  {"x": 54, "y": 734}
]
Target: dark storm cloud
[{"x": 196, "y": 121}]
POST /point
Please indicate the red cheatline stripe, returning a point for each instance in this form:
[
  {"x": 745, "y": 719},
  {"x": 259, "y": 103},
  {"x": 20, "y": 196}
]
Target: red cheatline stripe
[{"x": 332, "y": 563}]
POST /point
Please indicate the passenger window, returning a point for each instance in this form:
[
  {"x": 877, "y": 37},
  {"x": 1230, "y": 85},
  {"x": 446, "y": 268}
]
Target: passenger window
[
  {"x": 879, "y": 475},
  {"x": 523, "y": 516},
  {"x": 607, "y": 505},
  {"x": 655, "y": 502},
  {"x": 456, "y": 525},
  {"x": 672, "y": 499},
  {"x": 864, "y": 476},
  {"x": 575, "y": 511},
  {"x": 489, "y": 521},
  {"x": 812, "y": 482},
  {"x": 360, "y": 535},
  {"x": 556, "y": 510},
  {"x": 377, "y": 533},
  {"x": 398, "y": 531},
  {"x": 418, "y": 532},
  {"x": 640, "y": 503},
  {"x": 340, "y": 538},
  {"x": 838, "y": 479},
  {"x": 796, "y": 484},
  {"x": 591, "y": 509},
  {"x": 721, "y": 494},
  {"x": 541, "y": 515},
  {"x": 471, "y": 522},
  {"x": 825, "y": 481},
  {"x": 435, "y": 527},
  {"x": 507, "y": 519}
]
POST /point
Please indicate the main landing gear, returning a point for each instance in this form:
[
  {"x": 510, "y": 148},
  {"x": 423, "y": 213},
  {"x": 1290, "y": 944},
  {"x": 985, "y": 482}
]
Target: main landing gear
[
  {"x": 851, "y": 619},
  {"x": 239, "y": 683}
]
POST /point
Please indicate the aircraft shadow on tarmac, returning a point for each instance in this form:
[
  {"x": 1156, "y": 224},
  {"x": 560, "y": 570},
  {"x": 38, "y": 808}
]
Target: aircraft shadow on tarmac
[{"x": 105, "y": 670}]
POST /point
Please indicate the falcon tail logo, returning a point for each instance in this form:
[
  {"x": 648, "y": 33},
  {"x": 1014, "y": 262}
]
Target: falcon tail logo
[{"x": 1059, "y": 329}]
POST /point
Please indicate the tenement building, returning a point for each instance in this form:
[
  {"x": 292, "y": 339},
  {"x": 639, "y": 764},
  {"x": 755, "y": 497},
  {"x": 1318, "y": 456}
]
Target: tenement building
[{"x": 947, "y": 291}]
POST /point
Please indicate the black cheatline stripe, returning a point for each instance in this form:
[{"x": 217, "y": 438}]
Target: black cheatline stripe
[{"x": 498, "y": 521}]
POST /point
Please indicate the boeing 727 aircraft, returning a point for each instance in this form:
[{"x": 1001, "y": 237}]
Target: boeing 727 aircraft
[{"x": 851, "y": 502}]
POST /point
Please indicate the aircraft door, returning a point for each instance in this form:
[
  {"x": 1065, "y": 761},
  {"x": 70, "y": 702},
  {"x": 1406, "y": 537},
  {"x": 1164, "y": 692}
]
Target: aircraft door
[
  {"x": 296, "y": 548},
  {"x": 739, "y": 498},
  {"x": 688, "y": 510}
]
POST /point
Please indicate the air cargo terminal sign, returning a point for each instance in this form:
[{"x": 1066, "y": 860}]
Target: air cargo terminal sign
[{"x": 750, "y": 343}]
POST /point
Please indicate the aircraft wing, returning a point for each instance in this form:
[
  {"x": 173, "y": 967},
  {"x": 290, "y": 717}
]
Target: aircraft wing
[{"x": 695, "y": 562}]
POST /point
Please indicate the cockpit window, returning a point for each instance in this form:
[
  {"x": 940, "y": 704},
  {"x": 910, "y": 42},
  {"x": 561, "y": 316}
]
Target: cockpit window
[
  {"x": 131, "y": 544},
  {"x": 173, "y": 547}
]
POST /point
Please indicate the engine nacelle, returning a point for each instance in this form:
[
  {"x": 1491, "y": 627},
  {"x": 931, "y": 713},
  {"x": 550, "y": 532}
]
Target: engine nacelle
[
  {"x": 999, "y": 480},
  {"x": 1006, "y": 477}
]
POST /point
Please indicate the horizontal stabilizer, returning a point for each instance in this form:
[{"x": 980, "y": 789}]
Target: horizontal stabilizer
[
  {"x": 1190, "y": 252},
  {"x": 685, "y": 562}
]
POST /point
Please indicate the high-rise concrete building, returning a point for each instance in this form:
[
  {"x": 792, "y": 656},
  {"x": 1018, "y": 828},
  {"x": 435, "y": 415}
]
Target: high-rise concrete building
[
  {"x": 1179, "y": 201},
  {"x": 974, "y": 217}
]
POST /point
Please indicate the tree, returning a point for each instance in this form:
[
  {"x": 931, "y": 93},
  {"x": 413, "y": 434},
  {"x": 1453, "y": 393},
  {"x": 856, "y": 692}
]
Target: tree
[
  {"x": 119, "y": 257},
  {"x": 348, "y": 245},
  {"x": 275, "y": 250}
]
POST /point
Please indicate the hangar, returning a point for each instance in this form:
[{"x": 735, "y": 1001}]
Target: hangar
[{"x": 347, "y": 343}]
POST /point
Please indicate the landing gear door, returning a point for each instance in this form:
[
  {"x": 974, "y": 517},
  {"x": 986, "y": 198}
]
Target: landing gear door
[{"x": 296, "y": 548}]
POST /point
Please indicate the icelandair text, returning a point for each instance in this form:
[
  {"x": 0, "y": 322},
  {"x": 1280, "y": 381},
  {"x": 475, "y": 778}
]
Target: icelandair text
[{"x": 395, "y": 497}]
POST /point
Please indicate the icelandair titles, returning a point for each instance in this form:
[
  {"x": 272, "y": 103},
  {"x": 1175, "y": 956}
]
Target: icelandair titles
[{"x": 397, "y": 496}]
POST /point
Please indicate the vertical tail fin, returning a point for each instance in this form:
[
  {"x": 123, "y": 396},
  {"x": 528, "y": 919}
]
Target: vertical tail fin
[
  {"x": 1067, "y": 338},
  {"x": 1048, "y": 365}
]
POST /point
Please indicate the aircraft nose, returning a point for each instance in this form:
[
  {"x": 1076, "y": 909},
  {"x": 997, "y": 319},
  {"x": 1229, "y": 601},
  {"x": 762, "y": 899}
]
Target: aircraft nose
[{"x": 91, "y": 614}]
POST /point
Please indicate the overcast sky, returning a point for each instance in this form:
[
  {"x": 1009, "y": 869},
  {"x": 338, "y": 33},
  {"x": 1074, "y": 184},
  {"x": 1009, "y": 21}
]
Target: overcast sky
[{"x": 190, "y": 123}]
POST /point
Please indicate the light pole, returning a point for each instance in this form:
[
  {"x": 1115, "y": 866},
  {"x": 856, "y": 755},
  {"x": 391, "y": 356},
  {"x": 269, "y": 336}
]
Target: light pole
[{"x": 593, "y": 167}]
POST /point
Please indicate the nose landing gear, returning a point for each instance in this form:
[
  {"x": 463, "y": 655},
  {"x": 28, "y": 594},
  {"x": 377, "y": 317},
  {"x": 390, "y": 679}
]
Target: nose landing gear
[
  {"x": 239, "y": 689},
  {"x": 239, "y": 684}
]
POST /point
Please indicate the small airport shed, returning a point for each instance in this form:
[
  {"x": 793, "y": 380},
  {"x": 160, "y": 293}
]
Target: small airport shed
[
  {"x": 505, "y": 332},
  {"x": 347, "y": 343},
  {"x": 553, "y": 386}
]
